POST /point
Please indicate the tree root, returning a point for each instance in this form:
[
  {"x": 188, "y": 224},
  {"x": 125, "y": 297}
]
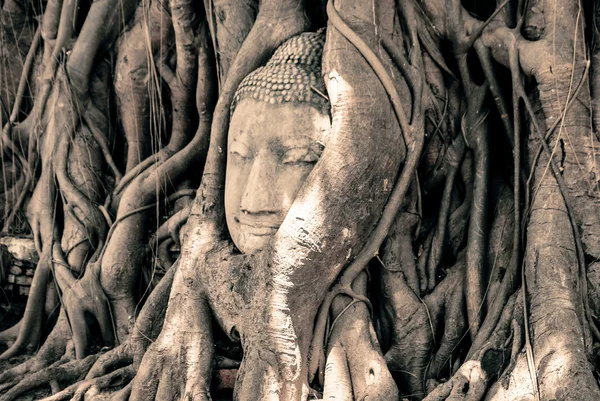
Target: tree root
[
  {"x": 468, "y": 384},
  {"x": 8, "y": 336},
  {"x": 453, "y": 160},
  {"x": 114, "y": 359},
  {"x": 110, "y": 369},
  {"x": 476, "y": 136},
  {"x": 54, "y": 350},
  {"x": 163, "y": 374},
  {"x": 92, "y": 387},
  {"x": 410, "y": 329},
  {"x": 31, "y": 322},
  {"x": 137, "y": 84},
  {"x": 353, "y": 332},
  {"x": 86, "y": 297},
  {"x": 123, "y": 394},
  {"x": 338, "y": 384},
  {"x": 66, "y": 372},
  {"x": 98, "y": 373},
  {"x": 448, "y": 298},
  {"x": 471, "y": 380}
]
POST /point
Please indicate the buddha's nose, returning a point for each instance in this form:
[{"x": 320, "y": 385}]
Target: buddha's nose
[{"x": 260, "y": 195}]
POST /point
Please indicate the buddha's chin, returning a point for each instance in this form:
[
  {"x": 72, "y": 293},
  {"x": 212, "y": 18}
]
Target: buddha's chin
[{"x": 252, "y": 243}]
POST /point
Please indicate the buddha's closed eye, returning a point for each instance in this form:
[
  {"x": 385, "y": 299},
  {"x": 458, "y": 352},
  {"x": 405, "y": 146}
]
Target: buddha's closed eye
[{"x": 302, "y": 155}]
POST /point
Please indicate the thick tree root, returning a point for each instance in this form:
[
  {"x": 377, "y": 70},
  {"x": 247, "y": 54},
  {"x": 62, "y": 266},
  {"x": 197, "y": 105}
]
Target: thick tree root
[
  {"x": 338, "y": 385},
  {"x": 8, "y": 336},
  {"x": 353, "y": 333},
  {"x": 116, "y": 358},
  {"x": 162, "y": 377},
  {"x": 86, "y": 297},
  {"x": 137, "y": 83},
  {"x": 30, "y": 326},
  {"x": 469, "y": 384}
]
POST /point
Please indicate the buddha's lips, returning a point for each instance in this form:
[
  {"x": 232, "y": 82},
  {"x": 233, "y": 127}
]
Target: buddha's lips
[{"x": 258, "y": 227}]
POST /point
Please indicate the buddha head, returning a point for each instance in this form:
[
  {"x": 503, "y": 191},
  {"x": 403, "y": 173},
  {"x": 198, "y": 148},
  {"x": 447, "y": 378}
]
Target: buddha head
[{"x": 278, "y": 129}]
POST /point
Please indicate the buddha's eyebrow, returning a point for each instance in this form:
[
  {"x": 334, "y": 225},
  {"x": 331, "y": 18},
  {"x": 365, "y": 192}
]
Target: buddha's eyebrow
[{"x": 300, "y": 141}]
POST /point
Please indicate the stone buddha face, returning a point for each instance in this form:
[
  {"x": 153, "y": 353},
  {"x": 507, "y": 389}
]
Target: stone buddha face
[{"x": 271, "y": 150}]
